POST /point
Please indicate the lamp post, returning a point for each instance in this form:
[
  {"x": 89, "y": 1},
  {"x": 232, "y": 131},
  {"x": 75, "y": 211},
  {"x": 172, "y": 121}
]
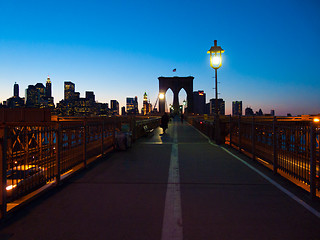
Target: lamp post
[
  {"x": 184, "y": 105},
  {"x": 216, "y": 62}
]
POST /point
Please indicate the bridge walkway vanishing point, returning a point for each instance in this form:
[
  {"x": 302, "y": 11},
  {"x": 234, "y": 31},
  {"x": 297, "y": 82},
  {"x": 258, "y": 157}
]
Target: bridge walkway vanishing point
[{"x": 168, "y": 186}]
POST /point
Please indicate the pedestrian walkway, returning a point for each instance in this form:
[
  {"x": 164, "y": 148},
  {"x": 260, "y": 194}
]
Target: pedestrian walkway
[{"x": 168, "y": 186}]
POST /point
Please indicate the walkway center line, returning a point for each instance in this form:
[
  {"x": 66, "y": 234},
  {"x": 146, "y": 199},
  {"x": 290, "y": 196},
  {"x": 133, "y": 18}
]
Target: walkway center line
[{"x": 172, "y": 219}]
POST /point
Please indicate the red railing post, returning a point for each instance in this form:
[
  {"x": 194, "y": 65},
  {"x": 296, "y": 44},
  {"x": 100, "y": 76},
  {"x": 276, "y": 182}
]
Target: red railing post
[
  {"x": 58, "y": 153},
  {"x": 239, "y": 129},
  {"x": 84, "y": 143},
  {"x": 312, "y": 160},
  {"x": 274, "y": 145},
  {"x": 230, "y": 129},
  {"x": 102, "y": 138},
  {"x": 3, "y": 170},
  {"x": 253, "y": 139}
]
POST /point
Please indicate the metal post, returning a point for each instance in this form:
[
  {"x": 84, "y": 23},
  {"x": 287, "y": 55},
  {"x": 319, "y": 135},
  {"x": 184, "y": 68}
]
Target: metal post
[
  {"x": 239, "y": 129},
  {"x": 312, "y": 161},
  {"x": 85, "y": 143},
  {"x": 230, "y": 129},
  {"x": 58, "y": 154},
  {"x": 216, "y": 117},
  {"x": 253, "y": 135},
  {"x": 3, "y": 170},
  {"x": 114, "y": 132},
  {"x": 275, "y": 138},
  {"x": 102, "y": 139}
]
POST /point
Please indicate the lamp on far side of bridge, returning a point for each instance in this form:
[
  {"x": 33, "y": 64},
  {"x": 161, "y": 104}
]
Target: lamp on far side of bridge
[
  {"x": 216, "y": 62},
  {"x": 161, "y": 96}
]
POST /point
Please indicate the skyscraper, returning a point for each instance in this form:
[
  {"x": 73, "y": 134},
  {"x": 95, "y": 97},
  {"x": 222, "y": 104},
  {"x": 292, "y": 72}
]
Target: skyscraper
[
  {"x": 41, "y": 90},
  {"x": 15, "y": 101},
  {"x": 147, "y": 107},
  {"x": 132, "y": 105},
  {"x": 237, "y": 108},
  {"x": 114, "y": 107},
  {"x": 69, "y": 88},
  {"x": 221, "y": 106},
  {"x": 32, "y": 96},
  {"x": 48, "y": 88},
  {"x": 199, "y": 102},
  {"x": 16, "y": 90},
  {"x": 136, "y": 109},
  {"x": 90, "y": 96}
]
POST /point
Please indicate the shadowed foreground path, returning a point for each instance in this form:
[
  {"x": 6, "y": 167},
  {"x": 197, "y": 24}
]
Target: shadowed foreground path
[{"x": 210, "y": 195}]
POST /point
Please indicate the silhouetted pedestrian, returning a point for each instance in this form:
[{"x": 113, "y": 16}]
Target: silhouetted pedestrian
[
  {"x": 181, "y": 117},
  {"x": 164, "y": 122}
]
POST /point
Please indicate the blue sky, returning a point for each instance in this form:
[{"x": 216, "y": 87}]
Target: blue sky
[{"x": 118, "y": 49}]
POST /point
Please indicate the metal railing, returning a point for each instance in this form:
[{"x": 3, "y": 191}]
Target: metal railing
[
  {"x": 34, "y": 155},
  {"x": 289, "y": 146}
]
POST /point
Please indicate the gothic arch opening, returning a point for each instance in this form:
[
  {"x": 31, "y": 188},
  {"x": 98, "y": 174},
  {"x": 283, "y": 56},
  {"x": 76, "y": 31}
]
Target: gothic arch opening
[
  {"x": 182, "y": 100},
  {"x": 169, "y": 100}
]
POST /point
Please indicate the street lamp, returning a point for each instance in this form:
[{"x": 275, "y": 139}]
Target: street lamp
[
  {"x": 161, "y": 96},
  {"x": 184, "y": 105},
  {"x": 216, "y": 62}
]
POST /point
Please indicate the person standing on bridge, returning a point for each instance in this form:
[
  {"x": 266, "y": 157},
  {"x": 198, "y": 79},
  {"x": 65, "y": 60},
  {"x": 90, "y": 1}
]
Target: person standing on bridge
[{"x": 164, "y": 122}]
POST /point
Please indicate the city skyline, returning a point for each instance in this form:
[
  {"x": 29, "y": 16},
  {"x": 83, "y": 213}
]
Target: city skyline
[{"x": 270, "y": 59}]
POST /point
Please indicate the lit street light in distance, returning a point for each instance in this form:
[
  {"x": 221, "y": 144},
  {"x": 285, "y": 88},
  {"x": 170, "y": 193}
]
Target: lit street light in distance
[{"x": 161, "y": 96}]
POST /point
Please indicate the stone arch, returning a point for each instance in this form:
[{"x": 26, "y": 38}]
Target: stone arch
[{"x": 176, "y": 84}]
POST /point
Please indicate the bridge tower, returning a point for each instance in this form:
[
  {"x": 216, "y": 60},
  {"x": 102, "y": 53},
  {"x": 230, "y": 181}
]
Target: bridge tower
[{"x": 176, "y": 84}]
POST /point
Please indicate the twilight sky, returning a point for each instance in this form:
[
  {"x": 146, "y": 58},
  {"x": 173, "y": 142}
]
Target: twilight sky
[{"x": 119, "y": 48}]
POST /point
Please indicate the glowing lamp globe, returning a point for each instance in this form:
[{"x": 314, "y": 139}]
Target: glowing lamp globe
[
  {"x": 161, "y": 96},
  {"x": 215, "y": 55}
]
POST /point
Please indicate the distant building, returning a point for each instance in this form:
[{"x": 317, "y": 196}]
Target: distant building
[
  {"x": 90, "y": 96},
  {"x": 15, "y": 101},
  {"x": 237, "y": 108},
  {"x": 259, "y": 113},
  {"x": 249, "y": 112},
  {"x": 16, "y": 90},
  {"x": 103, "y": 109},
  {"x": 272, "y": 113},
  {"x": 221, "y": 106},
  {"x": 132, "y": 105},
  {"x": 207, "y": 109},
  {"x": 147, "y": 107},
  {"x": 123, "y": 110},
  {"x": 48, "y": 88},
  {"x": 32, "y": 96},
  {"x": 76, "y": 95},
  {"x": 114, "y": 107},
  {"x": 199, "y": 102},
  {"x": 136, "y": 105},
  {"x": 39, "y": 96},
  {"x": 84, "y": 107},
  {"x": 41, "y": 90},
  {"x": 69, "y": 88}
]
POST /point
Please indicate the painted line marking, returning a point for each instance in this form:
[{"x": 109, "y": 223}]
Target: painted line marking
[{"x": 172, "y": 219}]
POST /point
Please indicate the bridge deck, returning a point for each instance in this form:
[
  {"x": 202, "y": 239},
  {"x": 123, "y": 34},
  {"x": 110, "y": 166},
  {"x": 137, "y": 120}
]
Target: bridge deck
[{"x": 210, "y": 195}]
